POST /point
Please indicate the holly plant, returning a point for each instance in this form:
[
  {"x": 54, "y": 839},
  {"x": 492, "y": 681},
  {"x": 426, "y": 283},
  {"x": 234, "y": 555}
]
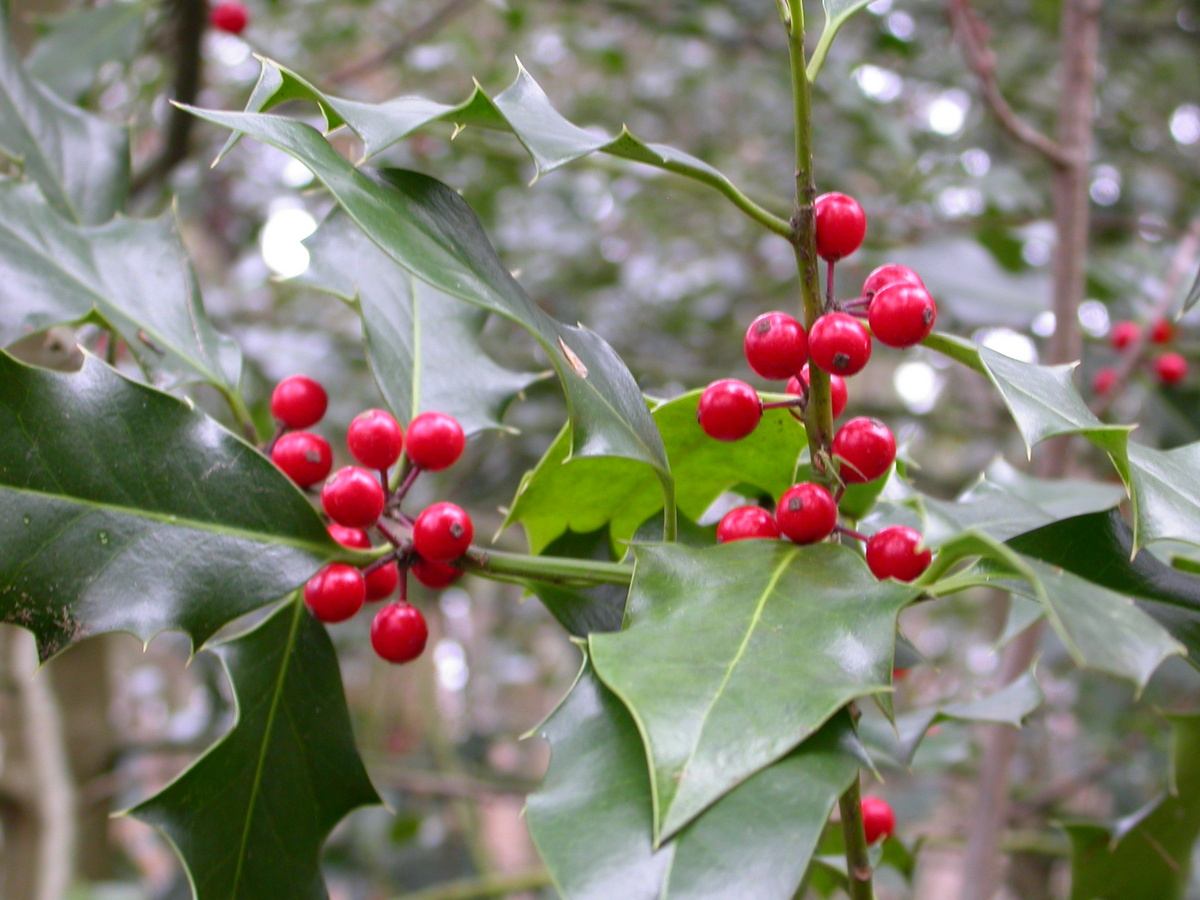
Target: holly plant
[{"x": 714, "y": 741}]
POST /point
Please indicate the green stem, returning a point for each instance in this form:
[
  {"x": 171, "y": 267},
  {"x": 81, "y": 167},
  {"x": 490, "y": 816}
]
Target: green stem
[
  {"x": 818, "y": 416},
  {"x": 241, "y": 413},
  {"x": 507, "y": 566},
  {"x": 763, "y": 217},
  {"x": 858, "y": 863},
  {"x": 670, "y": 514},
  {"x": 489, "y": 886}
]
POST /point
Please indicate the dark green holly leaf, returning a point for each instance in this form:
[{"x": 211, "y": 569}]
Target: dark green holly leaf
[
  {"x": 591, "y": 819},
  {"x": 1146, "y": 856},
  {"x": 522, "y": 109},
  {"x": 80, "y": 162},
  {"x": 134, "y": 274},
  {"x": 427, "y": 228},
  {"x": 422, "y": 344},
  {"x": 583, "y": 610},
  {"x": 622, "y": 496},
  {"x": 123, "y": 509},
  {"x": 1099, "y": 548},
  {"x": 249, "y": 817},
  {"x": 69, "y": 56},
  {"x": 735, "y": 654}
]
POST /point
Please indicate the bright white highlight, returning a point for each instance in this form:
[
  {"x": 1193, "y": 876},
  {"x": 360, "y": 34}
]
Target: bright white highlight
[
  {"x": 280, "y": 241},
  {"x": 918, "y": 384},
  {"x": 1185, "y": 124}
]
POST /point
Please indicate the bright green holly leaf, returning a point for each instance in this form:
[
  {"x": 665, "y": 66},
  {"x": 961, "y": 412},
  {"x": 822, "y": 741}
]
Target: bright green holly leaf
[
  {"x": 80, "y": 162},
  {"x": 249, "y": 817},
  {"x": 1166, "y": 485},
  {"x": 591, "y": 819},
  {"x": 123, "y": 509},
  {"x": 622, "y": 496},
  {"x": 69, "y": 55},
  {"x": 896, "y": 745},
  {"x": 1099, "y": 548},
  {"x": 427, "y": 228},
  {"x": 422, "y": 344},
  {"x": 133, "y": 273},
  {"x": 1146, "y": 856},
  {"x": 735, "y": 654},
  {"x": 1005, "y": 503},
  {"x": 523, "y": 109}
]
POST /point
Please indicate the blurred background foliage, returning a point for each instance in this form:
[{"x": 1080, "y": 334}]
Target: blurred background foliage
[{"x": 670, "y": 275}]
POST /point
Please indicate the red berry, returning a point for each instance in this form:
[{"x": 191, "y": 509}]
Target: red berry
[
  {"x": 746, "y": 522},
  {"x": 353, "y": 497},
  {"x": 806, "y": 513},
  {"x": 892, "y": 273},
  {"x": 298, "y": 402},
  {"x": 435, "y": 441},
  {"x": 1123, "y": 334},
  {"x": 1104, "y": 379},
  {"x": 776, "y": 345},
  {"x": 335, "y": 593},
  {"x": 382, "y": 582},
  {"x": 729, "y": 410},
  {"x": 435, "y": 575},
  {"x": 399, "y": 632},
  {"x": 1162, "y": 331},
  {"x": 838, "y": 394},
  {"x": 230, "y": 16},
  {"x": 349, "y": 537},
  {"x": 841, "y": 226},
  {"x": 896, "y": 552},
  {"x": 303, "y": 457},
  {"x": 878, "y": 819},
  {"x": 899, "y": 674},
  {"x": 902, "y": 315},
  {"x": 442, "y": 532},
  {"x": 839, "y": 344},
  {"x": 866, "y": 448},
  {"x": 375, "y": 439},
  {"x": 1171, "y": 368}
]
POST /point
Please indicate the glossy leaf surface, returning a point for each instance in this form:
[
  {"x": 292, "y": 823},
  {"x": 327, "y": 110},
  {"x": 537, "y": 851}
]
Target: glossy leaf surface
[
  {"x": 123, "y": 509},
  {"x": 249, "y": 817},
  {"x": 735, "y": 654},
  {"x": 1147, "y": 855},
  {"x": 134, "y": 274},
  {"x": 427, "y": 228},
  {"x": 591, "y": 819},
  {"x": 1099, "y": 548},
  {"x": 80, "y": 162},
  {"x": 422, "y": 344},
  {"x": 613, "y": 493}
]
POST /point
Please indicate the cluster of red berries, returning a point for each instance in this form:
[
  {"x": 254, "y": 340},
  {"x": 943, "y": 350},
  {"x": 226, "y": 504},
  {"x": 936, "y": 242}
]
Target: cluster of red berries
[
  {"x": 360, "y": 498},
  {"x": 1170, "y": 367},
  {"x": 229, "y": 16},
  {"x": 900, "y": 313}
]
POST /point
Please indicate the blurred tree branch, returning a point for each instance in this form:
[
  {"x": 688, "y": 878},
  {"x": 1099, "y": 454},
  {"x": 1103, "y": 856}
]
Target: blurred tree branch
[{"x": 421, "y": 31}]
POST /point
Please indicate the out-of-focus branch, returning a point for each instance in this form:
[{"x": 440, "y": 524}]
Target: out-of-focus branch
[
  {"x": 972, "y": 36},
  {"x": 1131, "y": 356},
  {"x": 421, "y": 31},
  {"x": 189, "y": 20},
  {"x": 1080, "y": 38},
  {"x": 49, "y": 770}
]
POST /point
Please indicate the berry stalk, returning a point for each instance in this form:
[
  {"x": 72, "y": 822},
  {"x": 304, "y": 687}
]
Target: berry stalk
[{"x": 858, "y": 863}]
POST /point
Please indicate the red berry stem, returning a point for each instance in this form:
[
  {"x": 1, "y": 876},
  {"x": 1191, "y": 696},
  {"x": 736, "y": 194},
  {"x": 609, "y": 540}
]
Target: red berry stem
[
  {"x": 856, "y": 303},
  {"x": 393, "y": 556},
  {"x": 858, "y": 312},
  {"x": 829, "y": 301},
  {"x": 405, "y": 483},
  {"x": 280, "y": 431},
  {"x": 849, "y": 532},
  {"x": 797, "y": 403},
  {"x": 396, "y": 540}
]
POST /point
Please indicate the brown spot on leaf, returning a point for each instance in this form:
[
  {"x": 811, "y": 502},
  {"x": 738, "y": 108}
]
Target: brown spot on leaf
[{"x": 576, "y": 363}]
